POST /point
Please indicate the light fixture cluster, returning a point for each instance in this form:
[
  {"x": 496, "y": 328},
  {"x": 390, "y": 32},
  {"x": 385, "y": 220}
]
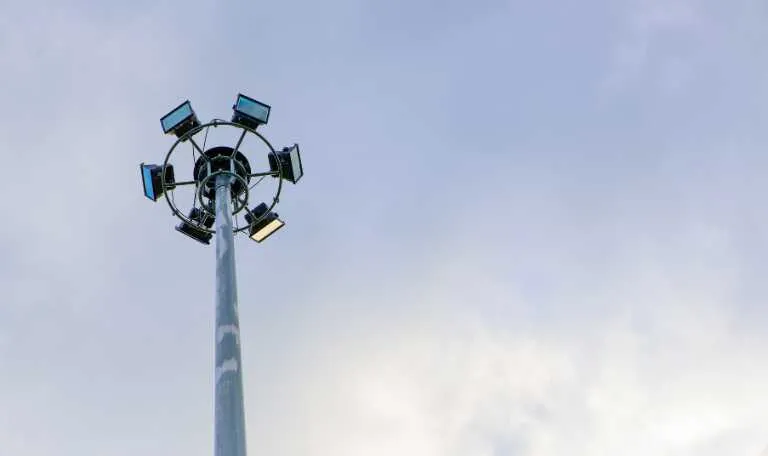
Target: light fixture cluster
[{"x": 183, "y": 123}]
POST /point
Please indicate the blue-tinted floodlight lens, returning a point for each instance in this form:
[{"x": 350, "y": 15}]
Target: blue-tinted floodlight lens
[
  {"x": 152, "y": 180},
  {"x": 146, "y": 176},
  {"x": 252, "y": 108},
  {"x": 177, "y": 116}
]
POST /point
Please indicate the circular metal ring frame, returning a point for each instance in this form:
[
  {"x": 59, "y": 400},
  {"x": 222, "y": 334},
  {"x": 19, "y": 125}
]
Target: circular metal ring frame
[{"x": 238, "y": 203}]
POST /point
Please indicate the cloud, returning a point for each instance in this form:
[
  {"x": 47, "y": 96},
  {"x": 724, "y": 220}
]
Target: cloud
[
  {"x": 666, "y": 369},
  {"x": 656, "y": 44},
  {"x": 588, "y": 326}
]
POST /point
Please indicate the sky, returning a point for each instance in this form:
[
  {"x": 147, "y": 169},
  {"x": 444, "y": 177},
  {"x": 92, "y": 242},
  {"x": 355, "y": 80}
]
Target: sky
[{"x": 525, "y": 228}]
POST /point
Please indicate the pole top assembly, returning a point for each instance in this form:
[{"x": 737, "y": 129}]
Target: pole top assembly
[{"x": 232, "y": 160}]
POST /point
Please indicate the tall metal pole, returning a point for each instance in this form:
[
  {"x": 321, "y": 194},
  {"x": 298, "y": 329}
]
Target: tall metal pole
[
  {"x": 229, "y": 426},
  {"x": 229, "y": 170}
]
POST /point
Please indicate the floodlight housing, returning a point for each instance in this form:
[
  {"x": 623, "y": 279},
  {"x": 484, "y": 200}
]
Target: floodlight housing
[
  {"x": 263, "y": 222},
  {"x": 193, "y": 230},
  {"x": 151, "y": 177},
  {"x": 288, "y": 162},
  {"x": 249, "y": 112},
  {"x": 180, "y": 120}
]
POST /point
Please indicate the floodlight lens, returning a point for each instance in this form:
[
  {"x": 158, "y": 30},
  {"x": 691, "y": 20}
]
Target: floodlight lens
[
  {"x": 295, "y": 157},
  {"x": 252, "y": 108},
  {"x": 152, "y": 180},
  {"x": 149, "y": 190},
  {"x": 264, "y": 232},
  {"x": 177, "y": 117},
  {"x": 263, "y": 222}
]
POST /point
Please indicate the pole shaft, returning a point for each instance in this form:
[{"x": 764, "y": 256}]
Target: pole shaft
[{"x": 229, "y": 427}]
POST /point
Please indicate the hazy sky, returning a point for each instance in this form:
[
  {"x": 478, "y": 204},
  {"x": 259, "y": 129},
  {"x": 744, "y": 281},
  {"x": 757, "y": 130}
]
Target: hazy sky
[{"x": 525, "y": 229}]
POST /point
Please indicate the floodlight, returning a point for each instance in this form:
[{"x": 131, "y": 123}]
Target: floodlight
[
  {"x": 193, "y": 230},
  {"x": 180, "y": 120},
  {"x": 151, "y": 177},
  {"x": 288, "y": 161},
  {"x": 263, "y": 222},
  {"x": 249, "y": 112}
]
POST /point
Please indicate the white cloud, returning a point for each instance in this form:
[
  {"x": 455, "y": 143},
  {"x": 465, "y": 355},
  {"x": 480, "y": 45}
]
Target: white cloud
[
  {"x": 652, "y": 357},
  {"x": 455, "y": 384},
  {"x": 655, "y": 44}
]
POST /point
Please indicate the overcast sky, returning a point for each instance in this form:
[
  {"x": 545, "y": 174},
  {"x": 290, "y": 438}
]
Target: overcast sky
[{"x": 525, "y": 229}]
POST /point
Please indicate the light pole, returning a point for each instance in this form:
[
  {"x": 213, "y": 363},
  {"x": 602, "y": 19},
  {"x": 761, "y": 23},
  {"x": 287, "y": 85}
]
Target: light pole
[{"x": 221, "y": 180}]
